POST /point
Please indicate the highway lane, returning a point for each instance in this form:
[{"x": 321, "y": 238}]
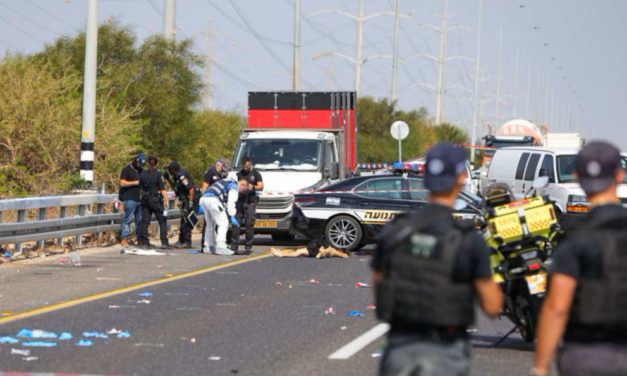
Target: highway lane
[{"x": 263, "y": 317}]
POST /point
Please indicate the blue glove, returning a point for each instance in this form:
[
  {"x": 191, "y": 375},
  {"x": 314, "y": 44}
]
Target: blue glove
[
  {"x": 234, "y": 221},
  {"x": 200, "y": 211}
]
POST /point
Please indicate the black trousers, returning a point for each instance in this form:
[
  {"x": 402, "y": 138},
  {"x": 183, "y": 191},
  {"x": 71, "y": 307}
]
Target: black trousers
[
  {"x": 150, "y": 206},
  {"x": 185, "y": 229},
  {"x": 246, "y": 217}
]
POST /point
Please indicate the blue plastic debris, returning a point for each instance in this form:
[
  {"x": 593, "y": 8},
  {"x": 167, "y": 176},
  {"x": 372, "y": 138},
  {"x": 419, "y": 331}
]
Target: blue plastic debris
[
  {"x": 39, "y": 344},
  {"x": 355, "y": 314},
  {"x": 85, "y": 343},
  {"x": 194, "y": 251},
  {"x": 124, "y": 334},
  {"x": 65, "y": 336},
  {"x": 37, "y": 333},
  {"x": 8, "y": 339},
  {"x": 145, "y": 294},
  {"x": 95, "y": 335},
  {"x": 7, "y": 254}
]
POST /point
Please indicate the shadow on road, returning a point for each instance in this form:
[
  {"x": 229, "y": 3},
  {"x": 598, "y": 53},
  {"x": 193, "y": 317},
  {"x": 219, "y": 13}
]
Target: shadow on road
[{"x": 488, "y": 341}]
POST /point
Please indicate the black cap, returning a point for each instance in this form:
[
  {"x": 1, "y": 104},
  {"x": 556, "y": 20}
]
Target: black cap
[
  {"x": 445, "y": 162},
  {"x": 596, "y": 166},
  {"x": 174, "y": 165}
]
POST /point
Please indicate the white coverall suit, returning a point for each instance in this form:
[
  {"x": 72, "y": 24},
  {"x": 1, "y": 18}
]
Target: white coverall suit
[{"x": 220, "y": 194}]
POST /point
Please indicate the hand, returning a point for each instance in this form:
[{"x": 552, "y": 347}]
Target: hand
[
  {"x": 251, "y": 187},
  {"x": 234, "y": 221}
]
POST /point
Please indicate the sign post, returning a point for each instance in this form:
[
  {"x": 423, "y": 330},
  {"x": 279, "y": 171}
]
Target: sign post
[{"x": 399, "y": 130}]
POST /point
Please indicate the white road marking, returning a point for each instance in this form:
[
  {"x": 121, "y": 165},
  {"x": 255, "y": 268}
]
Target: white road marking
[{"x": 360, "y": 342}]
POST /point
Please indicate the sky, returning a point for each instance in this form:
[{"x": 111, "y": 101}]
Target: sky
[{"x": 569, "y": 76}]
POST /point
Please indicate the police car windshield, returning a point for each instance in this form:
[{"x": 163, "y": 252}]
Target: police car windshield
[
  {"x": 280, "y": 154},
  {"x": 566, "y": 168}
]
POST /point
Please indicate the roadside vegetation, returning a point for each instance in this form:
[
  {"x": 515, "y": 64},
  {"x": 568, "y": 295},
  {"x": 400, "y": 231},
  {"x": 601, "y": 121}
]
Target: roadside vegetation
[{"x": 148, "y": 99}]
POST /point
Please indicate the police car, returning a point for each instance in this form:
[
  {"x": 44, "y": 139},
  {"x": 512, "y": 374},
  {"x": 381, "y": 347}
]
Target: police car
[{"x": 350, "y": 213}]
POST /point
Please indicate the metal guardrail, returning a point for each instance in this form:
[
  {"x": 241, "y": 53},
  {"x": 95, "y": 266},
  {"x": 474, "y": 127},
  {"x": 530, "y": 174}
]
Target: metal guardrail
[{"x": 74, "y": 216}]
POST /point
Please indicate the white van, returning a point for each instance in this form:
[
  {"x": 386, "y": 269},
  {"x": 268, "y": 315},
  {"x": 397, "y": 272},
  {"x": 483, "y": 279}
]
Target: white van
[{"x": 519, "y": 166}]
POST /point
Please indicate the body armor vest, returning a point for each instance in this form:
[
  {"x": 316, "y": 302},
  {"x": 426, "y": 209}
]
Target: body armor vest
[
  {"x": 417, "y": 287},
  {"x": 220, "y": 189},
  {"x": 602, "y": 301}
]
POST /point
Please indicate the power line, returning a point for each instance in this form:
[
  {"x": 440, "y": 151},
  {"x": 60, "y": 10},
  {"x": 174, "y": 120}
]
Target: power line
[
  {"x": 155, "y": 7},
  {"x": 28, "y": 18},
  {"x": 20, "y": 29},
  {"x": 61, "y": 21}
]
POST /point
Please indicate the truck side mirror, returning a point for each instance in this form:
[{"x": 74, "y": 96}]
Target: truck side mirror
[
  {"x": 333, "y": 171},
  {"x": 543, "y": 172}
]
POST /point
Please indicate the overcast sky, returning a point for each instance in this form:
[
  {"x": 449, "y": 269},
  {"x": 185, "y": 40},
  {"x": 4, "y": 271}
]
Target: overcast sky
[{"x": 575, "y": 47}]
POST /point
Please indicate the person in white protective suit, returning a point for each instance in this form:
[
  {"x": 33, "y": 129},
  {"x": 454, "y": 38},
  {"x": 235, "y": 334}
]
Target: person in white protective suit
[{"x": 218, "y": 205}]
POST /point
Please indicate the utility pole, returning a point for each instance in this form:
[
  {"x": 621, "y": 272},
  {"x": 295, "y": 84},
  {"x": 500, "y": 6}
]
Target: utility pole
[
  {"x": 515, "y": 85},
  {"x": 296, "y": 64},
  {"x": 439, "y": 111},
  {"x": 88, "y": 133},
  {"x": 498, "y": 79},
  {"x": 360, "y": 40},
  {"x": 476, "y": 91},
  {"x": 397, "y": 23},
  {"x": 169, "y": 19}
]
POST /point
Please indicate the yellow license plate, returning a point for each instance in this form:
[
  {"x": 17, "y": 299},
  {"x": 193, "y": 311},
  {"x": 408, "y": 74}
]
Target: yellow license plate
[
  {"x": 536, "y": 283},
  {"x": 266, "y": 224}
]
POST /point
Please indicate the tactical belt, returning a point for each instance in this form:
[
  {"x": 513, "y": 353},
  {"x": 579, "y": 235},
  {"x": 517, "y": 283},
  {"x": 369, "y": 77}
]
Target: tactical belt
[{"x": 446, "y": 333}]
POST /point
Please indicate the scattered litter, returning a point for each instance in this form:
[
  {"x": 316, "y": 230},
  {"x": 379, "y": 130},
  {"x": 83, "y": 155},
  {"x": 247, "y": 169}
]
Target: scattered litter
[
  {"x": 343, "y": 328},
  {"x": 7, "y": 253},
  {"x": 279, "y": 284},
  {"x": 192, "y": 340},
  {"x": 20, "y": 352},
  {"x": 143, "y": 301},
  {"x": 188, "y": 309},
  {"x": 65, "y": 336},
  {"x": 30, "y": 358},
  {"x": 141, "y": 252},
  {"x": 314, "y": 281},
  {"x": 376, "y": 355},
  {"x": 124, "y": 334},
  {"x": 193, "y": 251},
  {"x": 355, "y": 314},
  {"x": 85, "y": 343},
  {"x": 362, "y": 284},
  {"x": 214, "y": 358},
  {"x": 36, "y": 334},
  {"x": 95, "y": 335},
  {"x": 145, "y": 294},
  {"x": 329, "y": 311},
  {"x": 39, "y": 344},
  {"x": 8, "y": 339},
  {"x": 141, "y": 344},
  {"x": 371, "y": 307},
  {"x": 472, "y": 330},
  {"x": 113, "y": 306},
  {"x": 63, "y": 261},
  {"x": 98, "y": 269},
  {"x": 114, "y": 331},
  {"x": 290, "y": 286}
]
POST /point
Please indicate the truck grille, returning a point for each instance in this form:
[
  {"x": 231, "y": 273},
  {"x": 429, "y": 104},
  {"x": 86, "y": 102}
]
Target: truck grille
[{"x": 274, "y": 203}]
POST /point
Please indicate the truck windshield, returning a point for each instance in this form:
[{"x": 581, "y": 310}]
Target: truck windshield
[
  {"x": 566, "y": 168},
  {"x": 280, "y": 154}
]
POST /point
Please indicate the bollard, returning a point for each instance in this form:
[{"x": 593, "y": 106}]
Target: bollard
[
  {"x": 42, "y": 216},
  {"x": 100, "y": 210},
  {"x": 61, "y": 215},
  {"x": 81, "y": 211}
]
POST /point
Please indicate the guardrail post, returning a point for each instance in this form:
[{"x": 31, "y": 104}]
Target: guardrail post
[
  {"x": 21, "y": 216},
  {"x": 81, "y": 212},
  {"x": 62, "y": 212},
  {"x": 100, "y": 210},
  {"x": 42, "y": 216},
  {"x": 171, "y": 205}
]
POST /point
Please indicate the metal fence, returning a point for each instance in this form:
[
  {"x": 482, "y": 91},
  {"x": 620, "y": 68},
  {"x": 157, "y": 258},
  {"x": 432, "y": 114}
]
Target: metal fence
[{"x": 37, "y": 219}]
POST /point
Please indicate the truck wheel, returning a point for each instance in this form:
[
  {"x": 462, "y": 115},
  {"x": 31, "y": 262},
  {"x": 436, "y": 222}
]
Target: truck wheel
[
  {"x": 282, "y": 237},
  {"x": 343, "y": 232}
]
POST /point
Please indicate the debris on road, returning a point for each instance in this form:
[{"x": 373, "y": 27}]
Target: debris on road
[
  {"x": 192, "y": 340},
  {"x": 343, "y": 328},
  {"x": 194, "y": 251},
  {"x": 279, "y": 284},
  {"x": 30, "y": 358},
  {"x": 143, "y": 301},
  {"x": 36, "y": 334},
  {"x": 145, "y": 294},
  {"x": 141, "y": 252},
  {"x": 21, "y": 352},
  {"x": 65, "y": 336},
  {"x": 376, "y": 355},
  {"x": 214, "y": 358},
  {"x": 355, "y": 314},
  {"x": 362, "y": 284},
  {"x": 95, "y": 335},
  {"x": 329, "y": 311},
  {"x": 371, "y": 307},
  {"x": 8, "y": 339},
  {"x": 39, "y": 344},
  {"x": 314, "y": 281},
  {"x": 85, "y": 343}
]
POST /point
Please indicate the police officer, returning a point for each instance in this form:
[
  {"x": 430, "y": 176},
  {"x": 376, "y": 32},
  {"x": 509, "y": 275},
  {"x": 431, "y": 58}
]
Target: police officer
[
  {"x": 185, "y": 190},
  {"x": 247, "y": 202},
  {"x": 428, "y": 268},
  {"x": 212, "y": 175},
  {"x": 218, "y": 204},
  {"x": 154, "y": 201},
  {"x": 587, "y": 295},
  {"x": 129, "y": 195}
]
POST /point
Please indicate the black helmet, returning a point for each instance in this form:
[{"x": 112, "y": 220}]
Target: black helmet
[{"x": 174, "y": 166}]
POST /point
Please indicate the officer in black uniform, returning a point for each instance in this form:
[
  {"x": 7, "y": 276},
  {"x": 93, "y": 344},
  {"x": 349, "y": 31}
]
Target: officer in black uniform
[
  {"x": 427, "y": 270},
  {"x": 212, "y": 175},
  {"x": 154, "y": 200},
  {"x": 587, "y": 295},
  {"x": 185, "y": 191},
  {"x": 247, "y": 203}
]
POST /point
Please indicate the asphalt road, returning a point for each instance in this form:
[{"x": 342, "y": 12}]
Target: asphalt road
[{"x": 262, "y": 317}]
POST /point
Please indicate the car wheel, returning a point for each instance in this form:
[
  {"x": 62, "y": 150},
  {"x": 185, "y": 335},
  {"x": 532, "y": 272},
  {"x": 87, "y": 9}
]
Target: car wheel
[
  {"x": 343, "y": 232},
  {"x": 282, "y": 237}
]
